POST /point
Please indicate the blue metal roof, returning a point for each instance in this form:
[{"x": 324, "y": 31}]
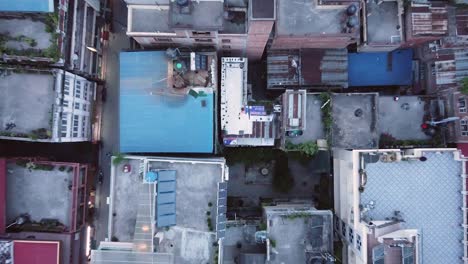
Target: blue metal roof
[
  {"x": 380, "y": 68},
  {"x": 27, "y": 5},
  {"x": 166, "y": 205},
  {"x": 164, "y": 198},
  {"x": 151, "y": 122},
  {"x": 167, "y": 175}
]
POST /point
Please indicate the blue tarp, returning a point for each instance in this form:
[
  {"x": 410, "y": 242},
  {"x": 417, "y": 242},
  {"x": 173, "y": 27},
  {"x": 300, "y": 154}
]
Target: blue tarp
[
  {"x": 27, "y": 5},
  {"x": 375, "y": 69},
  {"x": 152, "y": 122}
]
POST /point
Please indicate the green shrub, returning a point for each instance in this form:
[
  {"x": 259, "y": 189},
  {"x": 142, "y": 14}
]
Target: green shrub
[
  {"x": 272, "y": 243},
  {"x": 119, "y": 158},
  {"x": 464, "y": 85}
]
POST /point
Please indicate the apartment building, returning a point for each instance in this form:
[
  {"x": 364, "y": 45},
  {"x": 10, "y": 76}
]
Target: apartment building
[
  {"x": 235, "y": 27},
  {"x": 401, "y": 206},
  {"x": 42, "y": 211},
  {"x": 244, "y": 122},
  {"x": 58, "y": 109}
]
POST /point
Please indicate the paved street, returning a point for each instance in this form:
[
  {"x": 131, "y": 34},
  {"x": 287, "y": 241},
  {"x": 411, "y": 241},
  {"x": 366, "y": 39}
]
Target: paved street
[{"x": 110, "y": 114}]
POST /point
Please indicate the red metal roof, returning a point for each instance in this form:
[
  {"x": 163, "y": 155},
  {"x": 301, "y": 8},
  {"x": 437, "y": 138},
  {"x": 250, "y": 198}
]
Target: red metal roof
[
  {"x": 36, "y": 252},
  {"x": 3, "y": 170},
  {"x": 463, "y": 147}
]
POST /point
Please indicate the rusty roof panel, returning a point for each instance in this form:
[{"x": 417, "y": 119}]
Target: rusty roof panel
[
  {"x": 462, "y": 21},
  {"x": 429, "y": 20}
]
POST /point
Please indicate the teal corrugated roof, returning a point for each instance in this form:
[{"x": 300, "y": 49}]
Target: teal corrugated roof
[
  {"x": 27, "y": 5},
  {"x": 154, "y": 123}
]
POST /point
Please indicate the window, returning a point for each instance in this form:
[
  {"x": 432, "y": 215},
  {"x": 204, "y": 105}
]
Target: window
[
  {"x": 78, "y": 89},
  {"x": 226, "y": 41},
  {"x": 337, "y": 223},
  {"x": 358, "y": 242},
  {"x": 77, "y": 105},
  {"x": 203, "y": 40},
  {"x": 462, "y": 105},
  {"x": 65, "y": 103},
  {"x": 75, "y": 125},
  {"x": 83, "y": 126},
  {"x": 226, "y": 46},
  {"x": 85, "y": 107},
  {"x": 464, "y": 127},
  {"x": 343, "y": 229},
  {"x": 85, "y": 91},
  {"x": 201, "y": 33},
  {"x": 351, "y": 235},
  {"x": 63, "y": 125},
  {"x": 163, "y": 39},
  {"x": 66, "y": 88}
]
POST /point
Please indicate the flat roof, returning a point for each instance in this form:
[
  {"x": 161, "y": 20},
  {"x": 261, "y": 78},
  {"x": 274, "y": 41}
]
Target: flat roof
[
  {"x": 43, "y": 194},
  {"x": 196, "y": 192},
  {"x": 299, "y": 235},
  {"x": 383, "y": 25},
  {"x": 234, "y": 119},
  {"x": 154, "y": 121},
  {"x": 355, "y": 121},
  {"x": 381, "y": 68},
  {"x": 149, "y": 19},
  {"x": 28, "y": 109},
  {"x": 427, "y": 194},
  {"x": 413, "y": 108},
  {"x": 27, "y": 6},
  {"x": 199, "y": 15},
  {"x": 300, "y": 18},
  {"x": 263, "y": 9},
  {"x": 313, "y": 116},
  {"x": 36, "y": 252}
]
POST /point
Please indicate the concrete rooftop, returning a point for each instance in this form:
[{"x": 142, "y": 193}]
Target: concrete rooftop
[
  {"x": 294, "y": 235},
  {"x": 150, "y": 20},
  {"x": 39, "y": 193},
  {"x": 204, "y": 15},
  {"x": 36, "y": 30},
  {"x": 243, "y": 234},
  {"x": 382, "y": 21},
  {"x": 314, "y": 127},
  {"x": 26, "y": 100},
  {"x": 196, "y": 186},
  {"x": 351, "y": 129},
  {"x": 403, "y": 118},
  {"x": 302, "y": 17}
]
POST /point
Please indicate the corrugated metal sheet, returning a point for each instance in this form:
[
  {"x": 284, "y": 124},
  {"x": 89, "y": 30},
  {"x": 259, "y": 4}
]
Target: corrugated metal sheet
[
  {"x": 308, "y": 67},
  {"x": 429, "y": 20},
  {"x": 462, "y": 21}
]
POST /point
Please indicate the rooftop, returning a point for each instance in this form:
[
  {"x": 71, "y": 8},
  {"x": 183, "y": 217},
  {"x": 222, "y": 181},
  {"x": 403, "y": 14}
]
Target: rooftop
[
  {"x": 398, "y": 186},
  {"x": 262, "y": 9},
  {"x": 243, "y": 122},
  {"x": 29, "y": 37},
  {"x": 300, "y": 235},
  {"x": 42, "y": 190},
  {"x": 162, "y": 99},
  {"x": 30, "y": 252},
  {"x": 383, "y": 22},
  {"x": 245, "y": 235},
  {"x": 303, "y": 18},
  {"x": 413, "y": 108},
  {"x": 201, "y": 15},
  {"x": 313, "y": 118},
  {"x": 17, "y": 99},
  {"x": 149, "y": 19},
  {"x": 27, "y": 6},
  {"x": 429, "y": 19},
  {"x": 381, "y": 68},
  {"x": 190, "y": 238},
  {"x": 355, "y": 120},
  {"x": 307, "y": 67}
]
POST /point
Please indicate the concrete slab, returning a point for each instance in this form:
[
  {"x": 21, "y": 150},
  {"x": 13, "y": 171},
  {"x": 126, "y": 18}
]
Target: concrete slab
[
  {"x": 126, "y": 191},
  {"x": 382, "y": 21},
  {"x": 403, "y": 118},
  {"x": 314, "y": 125},
  {"x": 39, "y": 193},
  {"x": 355, "y": 118},
  {"x": 26, "y": 100},
  {"x": 28, "y": 28},
  {"x": 302, "y": 17}
]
